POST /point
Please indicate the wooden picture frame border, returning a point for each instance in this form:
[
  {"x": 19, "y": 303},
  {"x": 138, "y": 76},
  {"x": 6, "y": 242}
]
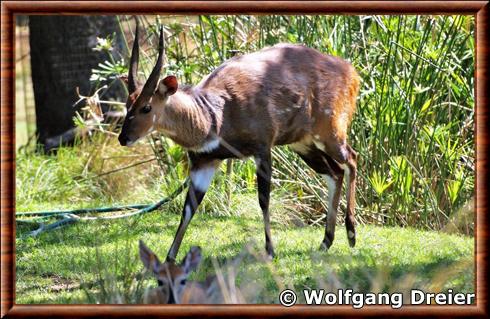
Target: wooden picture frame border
[{"x": 9, "y": 9}]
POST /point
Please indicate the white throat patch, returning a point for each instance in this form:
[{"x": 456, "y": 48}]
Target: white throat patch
[{"x": 209, "y": 146}]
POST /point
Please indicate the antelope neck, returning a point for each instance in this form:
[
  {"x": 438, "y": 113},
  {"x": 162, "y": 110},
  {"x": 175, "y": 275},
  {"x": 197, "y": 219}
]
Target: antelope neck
[{"x": 191, "y": 116}]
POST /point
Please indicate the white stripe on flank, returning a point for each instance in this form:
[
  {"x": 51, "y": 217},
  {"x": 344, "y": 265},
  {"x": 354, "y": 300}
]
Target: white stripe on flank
[{"x": 201, "y": 178}]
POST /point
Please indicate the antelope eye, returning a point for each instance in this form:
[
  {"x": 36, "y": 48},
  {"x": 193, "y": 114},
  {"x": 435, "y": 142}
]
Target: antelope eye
[
  {"x": 183, "y": 281},
  {"x": 146, "y": 108}
]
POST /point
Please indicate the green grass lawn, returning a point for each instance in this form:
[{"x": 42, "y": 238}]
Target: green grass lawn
[
  {"x": 91, "y": 262},
  {"x": 97, "y": 261}
]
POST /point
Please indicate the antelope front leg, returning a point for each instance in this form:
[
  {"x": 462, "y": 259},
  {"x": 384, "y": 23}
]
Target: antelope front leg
[
  {"x": 264, "y": 172},
  {"x": 201, "y": 175}
]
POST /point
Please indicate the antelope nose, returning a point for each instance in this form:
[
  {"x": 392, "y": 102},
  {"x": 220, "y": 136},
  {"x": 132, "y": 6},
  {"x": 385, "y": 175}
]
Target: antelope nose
[{"x": 123, "y": 140}]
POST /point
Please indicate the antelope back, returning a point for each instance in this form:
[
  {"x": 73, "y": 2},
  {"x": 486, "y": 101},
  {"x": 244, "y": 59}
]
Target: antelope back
[{"x": 173, "y": 286}]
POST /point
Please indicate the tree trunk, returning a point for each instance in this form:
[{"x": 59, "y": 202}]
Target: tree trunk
[{"x": 62, "y": 59}]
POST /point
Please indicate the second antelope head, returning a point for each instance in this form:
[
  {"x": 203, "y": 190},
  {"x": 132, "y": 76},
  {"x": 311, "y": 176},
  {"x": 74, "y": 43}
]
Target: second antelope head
[
  {"x": 173, "y": 286},
  {"x": 144, "y": 101}
]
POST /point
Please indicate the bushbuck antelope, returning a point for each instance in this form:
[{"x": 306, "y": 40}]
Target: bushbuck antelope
[
  {"x": 173, "y": 286},
  {"x": 282, "y": 95}
]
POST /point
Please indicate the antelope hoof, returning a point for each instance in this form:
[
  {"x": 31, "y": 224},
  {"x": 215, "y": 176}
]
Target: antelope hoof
[
  {"x": 325, "y": 245},
  {"x": 351, "y": 236},
  {"x": 270, "y": 254}
]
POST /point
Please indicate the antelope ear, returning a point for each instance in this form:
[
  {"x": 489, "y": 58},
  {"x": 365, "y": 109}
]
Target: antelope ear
[
  {"x": 192, "y": 259},
  {"x": 149, "y": 259},
  {"x": 168, "y": 86}
]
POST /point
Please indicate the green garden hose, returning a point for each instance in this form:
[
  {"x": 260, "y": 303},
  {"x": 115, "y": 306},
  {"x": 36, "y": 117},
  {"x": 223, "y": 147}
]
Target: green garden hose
[{"x": 72, "y": 216}]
